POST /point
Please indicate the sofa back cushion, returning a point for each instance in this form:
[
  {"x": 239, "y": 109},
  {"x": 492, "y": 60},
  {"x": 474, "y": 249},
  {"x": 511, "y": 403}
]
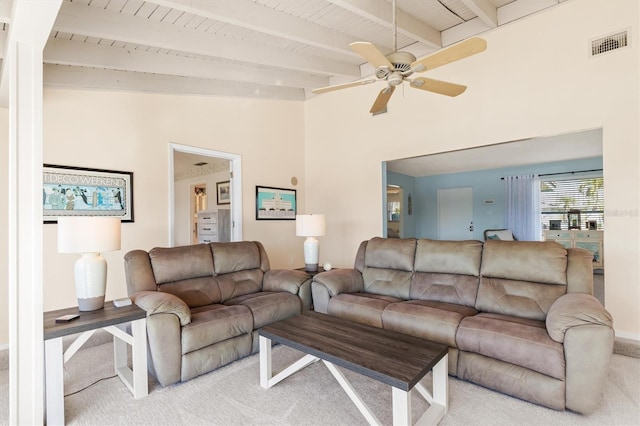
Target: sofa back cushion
[
  {"x": 447, "y": 271},
  {"x": 239, "y": 267},
  {"x": 388, "y": 266},
  {"x": 181, "y": 263},
  {"x": 235, "y": 256},
  {"x": 186, "y": 272},
  {"x": 521, "y": 278}
]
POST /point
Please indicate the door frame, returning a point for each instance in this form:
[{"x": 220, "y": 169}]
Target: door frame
[{"x": 235, "y": 186}]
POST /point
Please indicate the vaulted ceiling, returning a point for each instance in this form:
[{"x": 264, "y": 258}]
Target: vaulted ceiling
[{"x": 260, "y": 48}]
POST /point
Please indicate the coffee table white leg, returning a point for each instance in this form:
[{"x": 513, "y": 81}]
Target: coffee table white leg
[
  {"x": 54, "y": 381},
  {"x": 401, "y": 402},
  {"x": 265, "y": 362},
  {"x": 440, "y": 383}
]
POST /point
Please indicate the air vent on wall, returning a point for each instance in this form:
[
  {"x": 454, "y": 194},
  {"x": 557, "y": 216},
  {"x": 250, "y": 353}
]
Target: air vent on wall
[{"x": 609, "y": 43}]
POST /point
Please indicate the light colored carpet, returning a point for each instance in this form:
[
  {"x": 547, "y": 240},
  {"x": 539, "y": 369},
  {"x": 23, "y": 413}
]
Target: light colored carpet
[{"x": 232, "y": 396}]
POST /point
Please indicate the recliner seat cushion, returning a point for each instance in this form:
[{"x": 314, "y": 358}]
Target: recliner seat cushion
[
  {"x": 436, "y": 321},
  {"x": 213, "y": 324},
  {"x": 514, "y": 340},
  {"x": 269, "y": 307},
  {"x": 364, "y": 308}
]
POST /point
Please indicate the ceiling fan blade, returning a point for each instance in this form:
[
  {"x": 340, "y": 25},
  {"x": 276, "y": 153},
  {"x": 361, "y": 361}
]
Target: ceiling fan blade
[
  {"x": 341, "y": 86},
  {"x": 371, "y": 54},
  {"x": 459, "y": 51},
  {"x": 380, "y": 105},
  {"x": 437, "y": 86}
]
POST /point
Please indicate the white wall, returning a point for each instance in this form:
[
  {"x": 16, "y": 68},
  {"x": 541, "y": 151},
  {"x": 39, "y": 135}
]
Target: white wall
[
  {"x": 132, "y": 132},
  {"x": 535, "y": 79}
]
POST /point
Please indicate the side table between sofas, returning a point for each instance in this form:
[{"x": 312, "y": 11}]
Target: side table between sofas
[{"x": 112, "y": 320}]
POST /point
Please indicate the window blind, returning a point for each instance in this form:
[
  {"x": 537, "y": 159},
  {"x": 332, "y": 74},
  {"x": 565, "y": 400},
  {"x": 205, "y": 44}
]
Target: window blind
[{"x": 558, "y": 196}]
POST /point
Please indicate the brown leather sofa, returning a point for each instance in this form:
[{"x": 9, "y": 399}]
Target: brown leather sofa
[
  {"x": 518, "y": 317},
  {"x": 206, "y": 302}
]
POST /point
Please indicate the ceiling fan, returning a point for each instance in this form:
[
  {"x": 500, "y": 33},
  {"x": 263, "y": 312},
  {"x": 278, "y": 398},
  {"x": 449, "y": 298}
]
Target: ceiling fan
[{"x": 396, "y": 68}]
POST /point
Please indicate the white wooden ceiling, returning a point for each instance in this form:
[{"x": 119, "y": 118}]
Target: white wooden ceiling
[{"x": 260, "y": 48}]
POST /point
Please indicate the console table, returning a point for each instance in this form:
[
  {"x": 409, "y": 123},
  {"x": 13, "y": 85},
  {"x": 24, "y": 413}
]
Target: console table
[{"x": 110, "y": 319}]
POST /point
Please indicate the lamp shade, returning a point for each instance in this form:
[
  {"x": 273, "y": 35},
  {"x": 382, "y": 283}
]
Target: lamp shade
[
  {"x": 310, "y": 225},
  {"x": 88, "y": 234}
]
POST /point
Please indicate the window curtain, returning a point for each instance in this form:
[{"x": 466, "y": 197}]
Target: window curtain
[{"x": 522, "y": 215}]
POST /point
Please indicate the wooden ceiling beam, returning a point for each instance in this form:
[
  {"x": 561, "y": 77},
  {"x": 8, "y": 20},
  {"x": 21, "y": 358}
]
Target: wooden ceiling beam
[
  {"x": 78, "y": 53},
  {"x": 256, "y": 17},
  {"x": 79, "y": 19},
  {"x": 380, "y": 11},
  {"x": 485, "y": 10}
]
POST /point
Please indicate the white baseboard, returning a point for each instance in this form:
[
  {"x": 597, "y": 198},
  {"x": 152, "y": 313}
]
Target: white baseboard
[{"x": 630, "y": 336}]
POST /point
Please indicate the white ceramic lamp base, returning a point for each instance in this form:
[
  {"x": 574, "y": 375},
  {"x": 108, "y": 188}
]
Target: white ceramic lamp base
[
  {"x": 311, "y": 250},
  {"x": 91, "y": 281}
]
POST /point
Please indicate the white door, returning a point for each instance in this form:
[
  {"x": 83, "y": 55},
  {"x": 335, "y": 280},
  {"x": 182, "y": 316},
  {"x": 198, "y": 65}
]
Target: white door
[{"x": 455, "y": 214}]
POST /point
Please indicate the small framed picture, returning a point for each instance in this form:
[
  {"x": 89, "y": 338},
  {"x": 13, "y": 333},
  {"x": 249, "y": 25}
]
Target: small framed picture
[
  {"x": 223, "y": 191},
  {"x": 592, "y": 225},
  {"x": 275, "y": 203}
]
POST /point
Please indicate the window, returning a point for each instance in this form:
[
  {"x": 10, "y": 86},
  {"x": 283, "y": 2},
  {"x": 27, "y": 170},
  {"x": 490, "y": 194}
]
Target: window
[{"x": 558, "y": 196}]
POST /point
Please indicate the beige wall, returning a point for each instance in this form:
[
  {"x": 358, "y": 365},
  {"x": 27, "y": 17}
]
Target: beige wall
[
  {"x": 132, "y": 132},
  {"x": 530, "y": 82}
]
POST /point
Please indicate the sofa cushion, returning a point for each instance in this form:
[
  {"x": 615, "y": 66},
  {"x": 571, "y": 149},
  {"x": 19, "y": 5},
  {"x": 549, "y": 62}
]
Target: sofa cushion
[
  {"x": 430, "y": 320},
  {"x": 239, "y": 283},
  {"x": 181, "y": 263},
  {"x": 387, "y": 282},
  {"x": 450, "y": 288},
  {"x": 449, "y": 257},
  {"x": 534, "y": 261},
  {"x": 390, "y": 253},
  {"x": 195, "y": 291},
  {"x": 514, "y": 340},
  {"x": 269, "y": 307},
  {"x": 518, "y": 298},
  {"x": 235, "y": 256},
  {"x": 364, "y": 308},
  {"x": 215, "y": 323}
]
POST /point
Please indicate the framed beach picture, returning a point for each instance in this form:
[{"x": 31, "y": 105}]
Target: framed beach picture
[
  {"x": 275, "y": 203},
  {"x": 77, "y": 191},
  {"x": 223, "y": 192}
]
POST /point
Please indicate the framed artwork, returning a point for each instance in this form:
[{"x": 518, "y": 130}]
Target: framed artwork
[
  {"x": 223, "y": 192},
  {"x": 77, "y": 191},
  {"x": 275, "y": 203}
]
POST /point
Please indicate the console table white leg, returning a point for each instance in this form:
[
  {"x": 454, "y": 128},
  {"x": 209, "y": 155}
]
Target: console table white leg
[
  {"x": 139, "y": 358},
  {"x": 265, "y": 362},
  {"x": 54, "y": 381},
  {"x": 401, "y": 402}
]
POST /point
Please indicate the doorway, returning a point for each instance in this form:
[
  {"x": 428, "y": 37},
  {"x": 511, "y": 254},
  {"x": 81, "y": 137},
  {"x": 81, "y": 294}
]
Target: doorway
[
  {"x": 455, "y": 214},
  {"x": 196, "y": 176}
]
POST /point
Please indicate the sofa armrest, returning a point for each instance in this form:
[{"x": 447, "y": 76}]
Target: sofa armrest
[
  {"x": 158, "y": 302},
  {"x": 291, "y": 280},
  {"x": 573, "y": 310},
  {"x": 584, "y": 327},
  {"x": 328, "y": 284}
]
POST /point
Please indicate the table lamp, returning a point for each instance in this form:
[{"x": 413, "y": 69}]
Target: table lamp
[
  {"x": 310, "y": 226},
  {"x": 89, "y": 235}
]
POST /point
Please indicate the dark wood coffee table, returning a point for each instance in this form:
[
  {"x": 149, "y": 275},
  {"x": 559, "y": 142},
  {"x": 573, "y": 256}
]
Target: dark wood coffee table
[{"x": 398, "y": 360}]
